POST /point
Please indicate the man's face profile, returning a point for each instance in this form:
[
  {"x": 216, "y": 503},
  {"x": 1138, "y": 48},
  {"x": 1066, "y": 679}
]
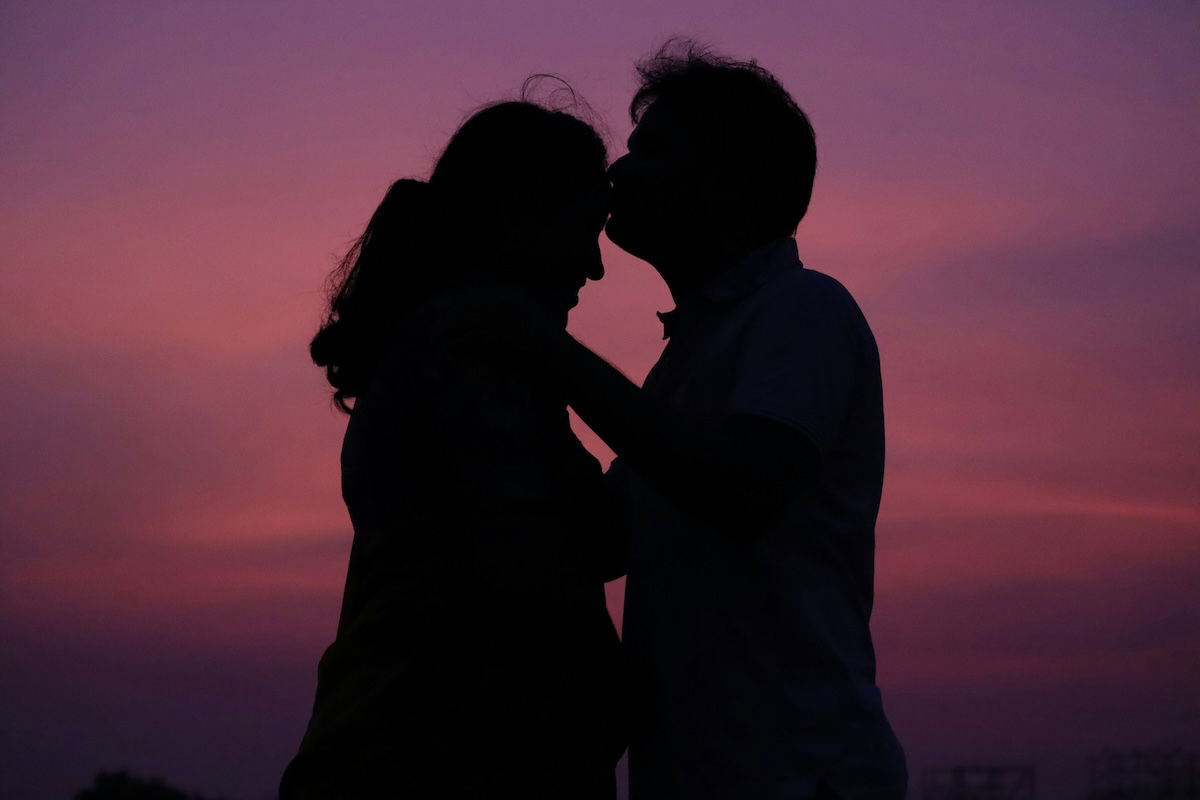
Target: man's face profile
[{"x": 658, "y": 202}]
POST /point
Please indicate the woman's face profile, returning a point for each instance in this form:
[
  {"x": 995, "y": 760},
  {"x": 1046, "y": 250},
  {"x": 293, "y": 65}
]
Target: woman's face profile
[{"x": 564, "y": 245}]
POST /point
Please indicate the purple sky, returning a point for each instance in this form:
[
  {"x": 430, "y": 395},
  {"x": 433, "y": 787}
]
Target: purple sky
[{"x": 1009, "y": 189}]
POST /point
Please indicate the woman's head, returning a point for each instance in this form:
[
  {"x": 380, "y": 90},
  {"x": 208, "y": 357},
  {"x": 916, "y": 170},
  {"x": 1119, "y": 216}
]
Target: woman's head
[
  {"x": 524, "y": 189},
  {"x": 518, "y": 196}
]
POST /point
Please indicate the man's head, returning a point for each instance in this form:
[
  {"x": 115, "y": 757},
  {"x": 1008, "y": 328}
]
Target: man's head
[{"x": 721, "y": 158}]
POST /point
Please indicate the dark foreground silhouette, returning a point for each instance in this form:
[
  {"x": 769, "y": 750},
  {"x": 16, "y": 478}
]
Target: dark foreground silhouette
[
  {"x": 474, "y": 654},
  {"x": 123, "y": 786}
]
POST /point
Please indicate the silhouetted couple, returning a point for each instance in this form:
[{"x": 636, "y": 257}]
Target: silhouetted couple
[{"x": 474, "y": 656}]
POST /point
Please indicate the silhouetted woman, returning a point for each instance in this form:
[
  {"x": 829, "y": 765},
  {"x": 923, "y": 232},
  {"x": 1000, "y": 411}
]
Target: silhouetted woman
[{"x": 474, "y": 656}]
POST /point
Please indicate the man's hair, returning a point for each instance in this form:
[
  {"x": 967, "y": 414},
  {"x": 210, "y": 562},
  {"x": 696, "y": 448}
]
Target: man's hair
[{"x": 748, "y": 126}]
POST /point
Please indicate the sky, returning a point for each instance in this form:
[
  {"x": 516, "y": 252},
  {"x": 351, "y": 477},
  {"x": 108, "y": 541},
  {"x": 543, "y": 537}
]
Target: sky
[{"x": 1010, "y": 191}]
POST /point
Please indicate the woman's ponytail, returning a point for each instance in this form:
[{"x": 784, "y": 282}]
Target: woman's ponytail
[{"x": 383, "y": 265}]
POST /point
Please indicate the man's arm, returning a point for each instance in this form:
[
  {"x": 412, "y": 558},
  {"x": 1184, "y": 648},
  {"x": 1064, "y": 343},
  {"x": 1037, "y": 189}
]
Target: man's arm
[{"x": 736, "y": 475}]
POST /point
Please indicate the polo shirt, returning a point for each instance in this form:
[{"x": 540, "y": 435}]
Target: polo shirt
[{"x": 754, "y": 670}]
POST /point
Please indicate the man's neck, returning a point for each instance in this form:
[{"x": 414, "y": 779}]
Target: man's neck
[{"x": 686, "y": 272}]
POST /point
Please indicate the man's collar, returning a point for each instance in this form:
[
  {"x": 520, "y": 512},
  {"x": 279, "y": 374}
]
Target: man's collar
[{"x": 734, "y": 282}]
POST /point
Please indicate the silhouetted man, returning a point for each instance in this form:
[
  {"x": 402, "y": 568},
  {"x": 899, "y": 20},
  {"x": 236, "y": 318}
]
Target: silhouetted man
[{"x": 752, "y": 459}]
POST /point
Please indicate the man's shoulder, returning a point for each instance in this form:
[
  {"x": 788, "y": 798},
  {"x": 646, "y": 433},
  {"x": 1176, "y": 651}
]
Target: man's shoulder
[
  {"x": 816, "y": 284},
  {"x": 806, "y": 291}
]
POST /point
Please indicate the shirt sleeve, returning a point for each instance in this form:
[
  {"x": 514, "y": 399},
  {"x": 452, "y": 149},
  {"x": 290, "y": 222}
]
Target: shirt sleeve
[{"x": 799, "y": 362}]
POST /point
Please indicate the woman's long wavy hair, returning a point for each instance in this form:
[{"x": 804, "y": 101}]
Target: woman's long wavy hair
[{"x": 507, "y": 162}]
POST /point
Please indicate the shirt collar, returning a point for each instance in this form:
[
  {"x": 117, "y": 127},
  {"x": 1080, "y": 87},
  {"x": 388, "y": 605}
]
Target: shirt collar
[{"x": 738, "y": 280}]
